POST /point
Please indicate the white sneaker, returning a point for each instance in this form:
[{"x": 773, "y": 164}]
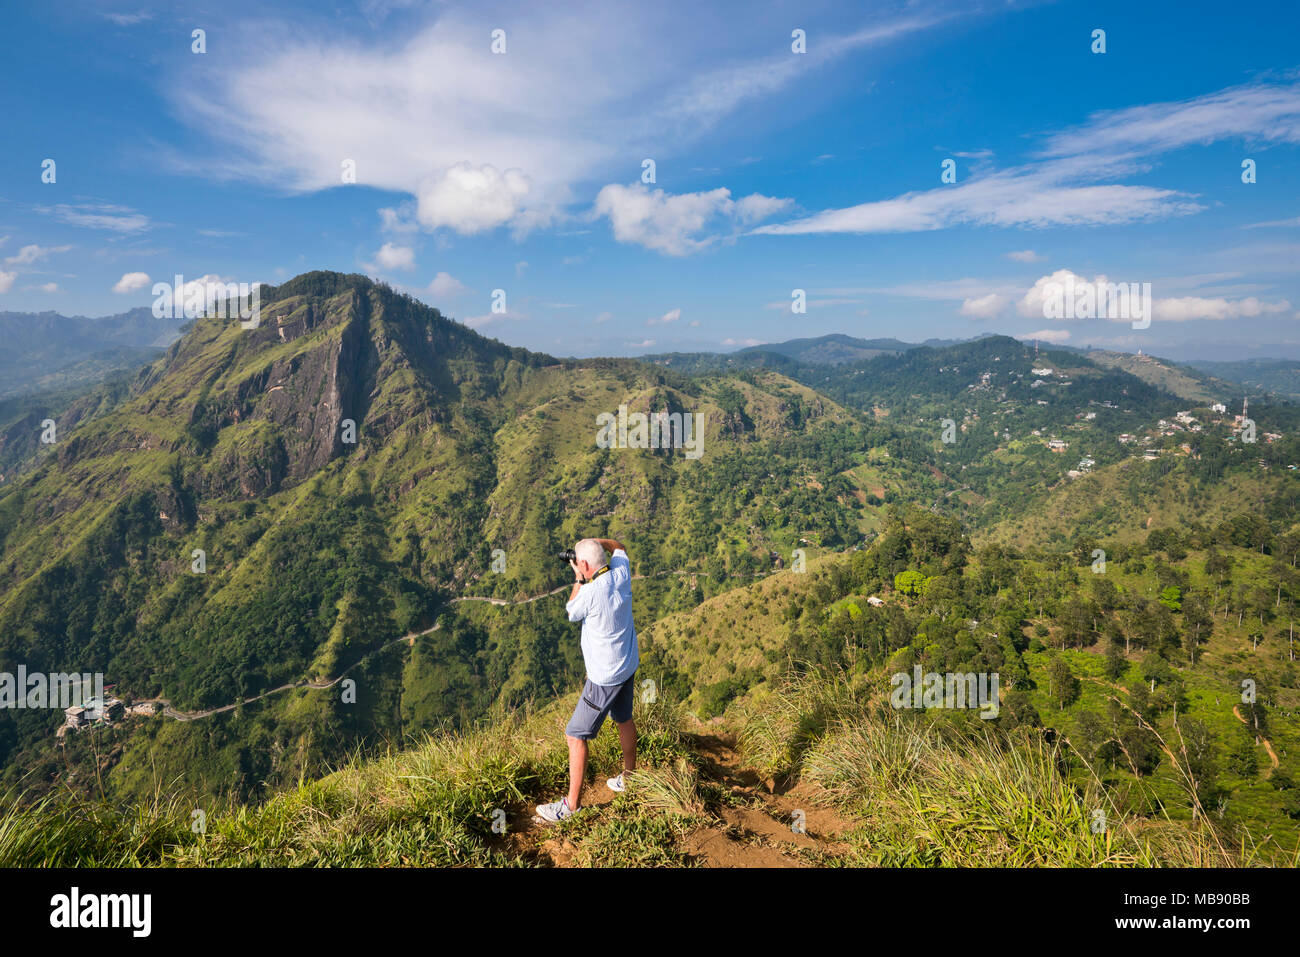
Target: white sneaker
[
  {"x": 556, "y": 812},
  {"x": 617, "y": 785}
]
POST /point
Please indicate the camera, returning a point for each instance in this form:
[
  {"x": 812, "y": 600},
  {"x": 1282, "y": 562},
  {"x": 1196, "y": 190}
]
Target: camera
[{"x": 567, "y": 556}]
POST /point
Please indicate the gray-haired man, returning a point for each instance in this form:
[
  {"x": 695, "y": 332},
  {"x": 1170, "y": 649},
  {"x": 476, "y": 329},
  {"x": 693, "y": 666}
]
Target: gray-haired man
[{"x": 602, "y": 601}]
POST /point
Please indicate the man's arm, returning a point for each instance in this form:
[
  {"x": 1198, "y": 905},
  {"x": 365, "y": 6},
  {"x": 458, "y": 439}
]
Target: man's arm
[{"x": 610, "y": 545}]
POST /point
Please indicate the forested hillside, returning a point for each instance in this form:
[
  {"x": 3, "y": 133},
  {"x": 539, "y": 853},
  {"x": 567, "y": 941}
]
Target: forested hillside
[
  {"x": 274, "y": 533},
  {"x": 282, "y": 504}
]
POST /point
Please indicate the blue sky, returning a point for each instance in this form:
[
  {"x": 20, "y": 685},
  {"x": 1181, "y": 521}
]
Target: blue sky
[{"x": 774, "y": 170}]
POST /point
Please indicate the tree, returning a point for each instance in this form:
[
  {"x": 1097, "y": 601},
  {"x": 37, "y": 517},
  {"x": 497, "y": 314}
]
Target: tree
[
  {"x": 1198, "y": 625},
  {"x": 1115, "y": 663},
  {"x": 908, "y": 582},
  {"x": 1062, "y": 685},
  {"x": 1198, "y": 759},
  {"x": 1171, "y": 597},
  {"x": 1218, "y": 568},
  {"x": 1241, "y": 757}
]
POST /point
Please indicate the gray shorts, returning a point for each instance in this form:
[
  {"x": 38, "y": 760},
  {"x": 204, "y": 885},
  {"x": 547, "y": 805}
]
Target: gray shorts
[{"x": 597, "y": 701}]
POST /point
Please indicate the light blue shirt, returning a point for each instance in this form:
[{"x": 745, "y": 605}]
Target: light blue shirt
[{"x": 604, "y": 606}]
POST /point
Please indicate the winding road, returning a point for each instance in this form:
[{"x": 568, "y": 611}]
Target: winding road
[{"x": 170, "y": 712}]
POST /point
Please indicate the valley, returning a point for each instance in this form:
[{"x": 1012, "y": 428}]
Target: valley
[{"x": 318, "y": 540}]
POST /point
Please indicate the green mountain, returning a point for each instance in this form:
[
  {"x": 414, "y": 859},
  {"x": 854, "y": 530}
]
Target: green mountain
[
  {"x": 313, "y": 540},
  {"x": 345, "y": 470},
  {"x": 832, "y": 349},
  {"x": 1280, "y": 376}
]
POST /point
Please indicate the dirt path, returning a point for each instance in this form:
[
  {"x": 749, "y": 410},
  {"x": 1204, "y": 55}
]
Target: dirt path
[
  {"x": 761, "y": 831},
  {"x": 752, "y": 827},
  {"x": 1268, "y": 745}
]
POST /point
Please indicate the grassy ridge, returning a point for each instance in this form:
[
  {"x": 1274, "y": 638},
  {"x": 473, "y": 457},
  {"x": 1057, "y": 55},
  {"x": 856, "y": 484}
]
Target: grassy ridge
[{"x": 905, "y": 792}]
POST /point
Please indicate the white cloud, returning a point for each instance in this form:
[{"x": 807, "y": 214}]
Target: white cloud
[
  {"x": 1167, "y": 309},
  {"x": 519, "y": 268},
  {"x": 672, "y": 315},
  {"x": 755, "y": 208},
  {"x": 131, "y": 281},
  {"x": 390, "y": 257},
  {"x": 1274, "y": 222},
  {"x": 397, "y": 220},
  {"x": 1031, "y": 303},
  {"x": 50, "y": 287},
  {"x": 1021, "y": 198},
  {"x": 1186, "y": 308},
  {"x": 486, "y": 140},
  {"x": 1257, "y": 112},
  {"x": 671, "y": 223},
  {"x": 984, "y": 307},
  {"x": 1047, "y": 335},
  {"x": 446, "y": 286},
  {"x": 1065, "y": 184},
  {"x": 742, "y": 342},
  {"x": 471, "y": 199},
  {"x": 128, "y": 19},
  {"x": 605, "y": 317},
  {"x": 118, "y": 219},
  {"x": 7, "y": 281},
  {"x": 33, "y": 253},
  {"x": 783, "y": 305},
  {"x": 1025, "y": 256},
  {"x": 643, "y": 344},
  {"x": 209, "y": 288}
]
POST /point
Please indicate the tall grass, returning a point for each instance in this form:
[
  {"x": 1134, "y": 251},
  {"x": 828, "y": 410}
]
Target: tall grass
[
  {"x": 433, "y": 803},
  {"x": 925, "y": 794}
]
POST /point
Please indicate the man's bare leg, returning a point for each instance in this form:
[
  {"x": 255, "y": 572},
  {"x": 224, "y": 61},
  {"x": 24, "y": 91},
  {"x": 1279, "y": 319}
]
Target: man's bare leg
[
  {"x": 577, "y": 769},
  {"x": 627, "y": 740}
]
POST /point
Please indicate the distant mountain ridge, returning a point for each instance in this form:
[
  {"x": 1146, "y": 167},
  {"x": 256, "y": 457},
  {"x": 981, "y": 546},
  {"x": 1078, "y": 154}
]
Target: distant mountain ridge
[
  {"x": 1281, "y": 376},
  {"x": 46, "y": 350},
  {"x": 835, "y": 348},
  {"x": 1195, "y": 381}
]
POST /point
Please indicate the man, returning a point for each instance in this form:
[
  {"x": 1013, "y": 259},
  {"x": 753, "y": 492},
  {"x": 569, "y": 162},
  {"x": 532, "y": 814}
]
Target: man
[{"x": 602, "y": 601}]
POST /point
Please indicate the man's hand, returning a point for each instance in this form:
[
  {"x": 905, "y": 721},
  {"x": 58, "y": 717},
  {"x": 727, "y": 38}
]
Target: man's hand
[
  {"x": 577, "y": 575},
  {"x": 610, "y": 545}
]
